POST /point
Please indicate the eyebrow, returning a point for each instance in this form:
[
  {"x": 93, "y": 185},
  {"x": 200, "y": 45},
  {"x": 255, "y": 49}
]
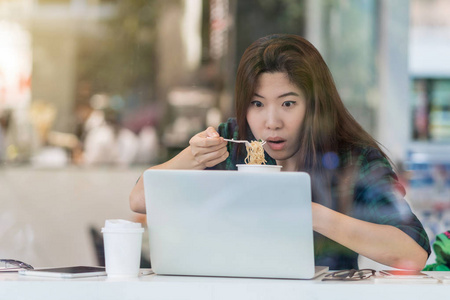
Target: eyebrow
[{"x": 281, "y": 96}]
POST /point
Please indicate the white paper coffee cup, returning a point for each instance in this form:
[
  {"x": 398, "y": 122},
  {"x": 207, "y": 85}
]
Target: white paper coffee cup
[{"x": 123, "y": 245}]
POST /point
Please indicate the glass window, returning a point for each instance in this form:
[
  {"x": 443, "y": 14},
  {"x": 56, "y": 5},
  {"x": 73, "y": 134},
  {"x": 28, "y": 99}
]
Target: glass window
[{"x": 431, "y": 109}]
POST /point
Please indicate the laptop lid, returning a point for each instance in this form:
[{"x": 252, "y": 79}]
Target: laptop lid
[{"x": 228, "y": 223}]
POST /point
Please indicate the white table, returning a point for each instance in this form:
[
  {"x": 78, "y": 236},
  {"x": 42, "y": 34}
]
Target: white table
[{"x": 13, "y": 286}]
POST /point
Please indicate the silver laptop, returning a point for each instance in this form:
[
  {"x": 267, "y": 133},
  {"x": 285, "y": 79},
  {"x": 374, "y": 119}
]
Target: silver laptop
[{"x": 229, "y": 223}]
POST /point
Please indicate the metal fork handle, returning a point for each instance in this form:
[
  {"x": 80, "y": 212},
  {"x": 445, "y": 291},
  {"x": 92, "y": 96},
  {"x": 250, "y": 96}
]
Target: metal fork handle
[
  {"x": 242, "y": 141},
  {"x": 236, "y": 141}
]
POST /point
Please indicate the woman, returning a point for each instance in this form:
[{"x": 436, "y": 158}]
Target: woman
[{"x": 286, "y": 95}]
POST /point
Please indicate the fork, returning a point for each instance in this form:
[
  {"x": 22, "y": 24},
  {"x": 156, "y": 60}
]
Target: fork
[{"x": 247, "y": 143}]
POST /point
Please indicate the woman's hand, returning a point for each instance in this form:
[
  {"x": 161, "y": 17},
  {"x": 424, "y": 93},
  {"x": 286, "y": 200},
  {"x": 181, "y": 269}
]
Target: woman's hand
[
  {"x": 385, "y": 244},
  {"x": 208, "y": 148}
]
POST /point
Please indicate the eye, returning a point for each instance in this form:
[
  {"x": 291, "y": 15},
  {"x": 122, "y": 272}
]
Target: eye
[
  {"x": 256, "y": 103},
  {"x": 289, "y": 103}
]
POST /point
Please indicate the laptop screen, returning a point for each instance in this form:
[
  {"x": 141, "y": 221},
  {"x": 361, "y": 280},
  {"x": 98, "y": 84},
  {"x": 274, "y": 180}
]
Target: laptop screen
[{"x": 229, "y": 223}]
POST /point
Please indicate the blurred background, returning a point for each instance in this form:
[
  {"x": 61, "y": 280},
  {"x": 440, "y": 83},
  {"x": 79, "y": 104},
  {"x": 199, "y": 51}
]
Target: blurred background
[{"x": 92, "y": 92}]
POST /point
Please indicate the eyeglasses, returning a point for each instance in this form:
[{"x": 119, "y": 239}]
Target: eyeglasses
[
  {"x": 10, "y": 265},
  {"x": 350, "y": 275}
]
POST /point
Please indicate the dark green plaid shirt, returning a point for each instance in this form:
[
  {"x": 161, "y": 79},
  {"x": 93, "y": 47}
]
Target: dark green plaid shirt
[{"x": 361, "y": 184}]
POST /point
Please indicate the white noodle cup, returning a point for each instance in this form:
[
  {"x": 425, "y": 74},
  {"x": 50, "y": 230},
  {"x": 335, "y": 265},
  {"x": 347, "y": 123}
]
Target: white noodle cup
[{"x": 258, "y": 168}]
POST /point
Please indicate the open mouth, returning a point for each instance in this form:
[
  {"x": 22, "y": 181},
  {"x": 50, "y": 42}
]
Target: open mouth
[
  {"x": 275, "y": 140},
  {"x": 276, "y": 143}
]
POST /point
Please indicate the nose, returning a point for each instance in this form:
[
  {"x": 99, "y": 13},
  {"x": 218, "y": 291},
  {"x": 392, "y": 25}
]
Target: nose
[{"x": 273, "y": 119}]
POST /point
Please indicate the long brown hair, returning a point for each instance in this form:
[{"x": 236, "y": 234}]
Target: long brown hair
[{"x": 328, "y": 126}]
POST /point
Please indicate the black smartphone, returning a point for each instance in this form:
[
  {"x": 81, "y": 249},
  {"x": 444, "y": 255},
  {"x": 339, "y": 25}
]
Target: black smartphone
[{"x": 66, "y": 272}]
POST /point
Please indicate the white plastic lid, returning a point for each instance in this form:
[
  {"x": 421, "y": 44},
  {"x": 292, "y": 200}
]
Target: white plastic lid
[{"x": 119, "y": 225}]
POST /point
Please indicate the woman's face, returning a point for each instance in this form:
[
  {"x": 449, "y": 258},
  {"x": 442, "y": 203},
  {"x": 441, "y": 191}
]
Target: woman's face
[{"x": 276, "y": 114}]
